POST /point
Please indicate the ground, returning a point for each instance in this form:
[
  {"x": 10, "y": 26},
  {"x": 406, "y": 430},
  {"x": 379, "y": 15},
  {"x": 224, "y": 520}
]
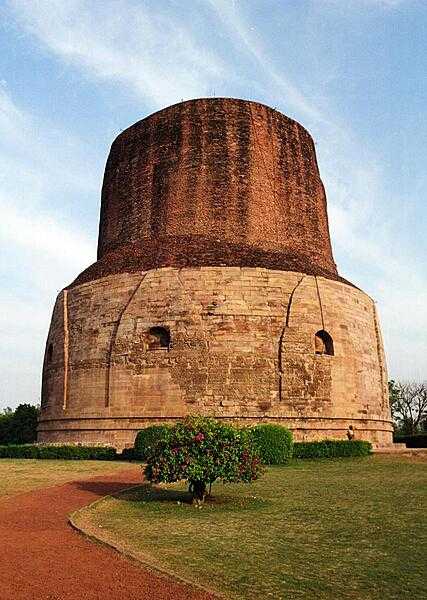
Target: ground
[
  {"x": 46, "y": 559},
  {"x": 18, "y": 475},
  {"x": 349, "y": 528}
]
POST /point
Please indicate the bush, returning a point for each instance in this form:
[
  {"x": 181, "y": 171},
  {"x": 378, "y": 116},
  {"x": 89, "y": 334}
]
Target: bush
[
  {"x": 147, "y": 438},
  {"x": 201, "y": 450},
  {"x": 5, "y": 419},
  {"x": 128, "y": 454},
  {"x": 274, "y": 443},
  {"x": 61, "y": 452},
  {"x": 332, "y": 449},
  {"x": 418, "y": 440}
]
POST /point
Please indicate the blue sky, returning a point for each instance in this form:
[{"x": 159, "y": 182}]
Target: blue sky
[{"x": 74, "y": 73}]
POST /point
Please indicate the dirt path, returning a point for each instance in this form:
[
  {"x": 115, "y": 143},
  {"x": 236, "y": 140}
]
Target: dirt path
[{"x": 43, "y": 558}]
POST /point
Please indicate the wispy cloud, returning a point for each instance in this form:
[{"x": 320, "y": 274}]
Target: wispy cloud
[
  {"x": 12, "y": 120},
  {"x": 32, "y": 159},
  {"x": 245, "y": 36},
  {"x": 41, "y": 232},
  {"x": 44, "y": 149},
  {"x": 155, "y": 55},
  {"x": 367, "y": 238}
]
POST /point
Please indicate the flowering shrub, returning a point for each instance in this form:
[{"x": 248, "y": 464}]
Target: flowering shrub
[
  {"x": 148, "y": 437},
  {"x": 201, "y": 450}
]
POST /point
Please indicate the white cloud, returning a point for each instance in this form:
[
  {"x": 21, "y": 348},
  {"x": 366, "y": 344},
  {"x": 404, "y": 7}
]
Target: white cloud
[
  {"x": 367, "y": 238},
  {"x": 40, "y": 251},
  {"x": 158, "y": 57},
  {"x": 32, "y": 171},
  {"x": 155, "y": 54},
  {"x": 245, "y": 36},
  {"x": 395, "y": 280},
  {"x": 37, "y": 159},
  {"x": 42, "y": 234},
  {"x": 12, "y": 120}
]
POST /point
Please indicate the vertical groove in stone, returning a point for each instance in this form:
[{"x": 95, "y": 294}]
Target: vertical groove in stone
[
  {"x": 383, "y": 379},
  {"x": 113, "y": 340},
  {"x": 282, "y": 335},
  {"x": 320, "y": 302}
]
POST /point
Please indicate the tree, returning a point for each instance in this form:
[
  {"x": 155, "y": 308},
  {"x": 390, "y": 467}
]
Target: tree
[
  {"x": 408, "y": 404},
  {"x": 5, "y": 419},
  {"x": 19, "y": 426},
  {"x": 200, "y": 451}
]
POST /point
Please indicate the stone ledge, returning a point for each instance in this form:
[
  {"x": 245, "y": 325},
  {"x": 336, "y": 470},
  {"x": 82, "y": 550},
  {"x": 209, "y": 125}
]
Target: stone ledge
[{"x": 399, "y": 449}]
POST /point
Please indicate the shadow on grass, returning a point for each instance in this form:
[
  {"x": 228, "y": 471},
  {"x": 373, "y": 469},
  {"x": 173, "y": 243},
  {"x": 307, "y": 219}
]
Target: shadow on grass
[
  {"x": 147, "y": 493},
  {"x": 103, "y": 488},
  {"x": 141, "y": 491}
]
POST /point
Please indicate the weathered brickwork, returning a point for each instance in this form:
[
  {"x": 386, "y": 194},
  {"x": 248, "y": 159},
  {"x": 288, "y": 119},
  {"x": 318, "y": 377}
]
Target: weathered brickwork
[
  {"x": 215, "y": 290},
  {"x": 242, "y": 346},
  {"x": 213, "y": 182}
]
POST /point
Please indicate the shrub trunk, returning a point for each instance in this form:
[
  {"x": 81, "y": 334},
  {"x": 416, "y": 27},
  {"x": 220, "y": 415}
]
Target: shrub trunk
[{"x": 198, "y": 491}]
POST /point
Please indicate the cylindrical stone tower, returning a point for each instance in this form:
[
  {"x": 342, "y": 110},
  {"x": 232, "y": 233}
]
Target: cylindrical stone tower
[{"x": 215, "y": 290}]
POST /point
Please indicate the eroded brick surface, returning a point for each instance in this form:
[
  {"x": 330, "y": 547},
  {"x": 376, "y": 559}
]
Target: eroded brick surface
[{"x": 213, "y": 182}]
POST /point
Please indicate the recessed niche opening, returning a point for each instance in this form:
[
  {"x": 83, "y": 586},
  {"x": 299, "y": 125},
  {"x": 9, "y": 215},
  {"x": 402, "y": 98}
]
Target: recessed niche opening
[
  {"x": 323, "y": 343},
  {"x": 158, "y": 338}
]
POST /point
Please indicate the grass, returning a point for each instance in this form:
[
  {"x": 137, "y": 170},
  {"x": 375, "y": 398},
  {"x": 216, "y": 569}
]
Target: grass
[
  {"x": 349, "y": 528},
  {"x": 22, "y": 475}
]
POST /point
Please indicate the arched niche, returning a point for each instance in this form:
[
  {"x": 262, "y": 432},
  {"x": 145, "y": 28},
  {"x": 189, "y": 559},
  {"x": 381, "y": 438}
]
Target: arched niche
[
  {"x": 323, "y": 343},
  {"x": 158, "y": 338}
]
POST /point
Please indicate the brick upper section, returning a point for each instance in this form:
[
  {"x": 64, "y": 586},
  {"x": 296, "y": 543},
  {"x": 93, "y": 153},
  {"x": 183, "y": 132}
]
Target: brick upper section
[{"x": 214, "y": 181}]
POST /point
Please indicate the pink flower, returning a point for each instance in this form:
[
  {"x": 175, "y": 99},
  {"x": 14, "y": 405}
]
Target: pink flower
[{"x": 199, "y": 437}]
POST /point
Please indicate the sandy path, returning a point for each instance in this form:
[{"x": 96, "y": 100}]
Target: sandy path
[{"x": 43, "y": 558}]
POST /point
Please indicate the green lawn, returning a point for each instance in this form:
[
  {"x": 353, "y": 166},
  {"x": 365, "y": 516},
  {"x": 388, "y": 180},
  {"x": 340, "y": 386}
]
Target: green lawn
[
  {"x": 349, "y": 528},
  {"x": 22, "y": 475}
]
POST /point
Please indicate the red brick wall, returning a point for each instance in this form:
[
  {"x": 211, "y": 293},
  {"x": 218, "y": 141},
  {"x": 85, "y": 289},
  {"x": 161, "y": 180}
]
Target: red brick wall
[{"x": 213, "y": 182}]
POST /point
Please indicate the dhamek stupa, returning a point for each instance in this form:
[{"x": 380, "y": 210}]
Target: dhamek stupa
[{"x": 215, "y": 290}]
